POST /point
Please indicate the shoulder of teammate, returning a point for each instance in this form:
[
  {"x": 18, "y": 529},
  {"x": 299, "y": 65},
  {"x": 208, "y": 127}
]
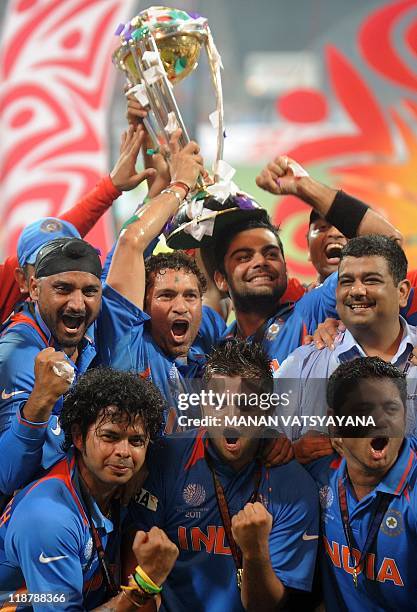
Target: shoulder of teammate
[
  {"x": 59, "y": 525},
  {"x": 211, "y": 329},
  {"x": 292, "y": 366},
  {"x": 17, "y": 358},
  {"x": 45, "y": 540},
  {"x": 212, "y": 322},
  {"x": 319, "y": 303},
  {"x": 321, "y": 470},
  {"x": 119, "y": 324}
]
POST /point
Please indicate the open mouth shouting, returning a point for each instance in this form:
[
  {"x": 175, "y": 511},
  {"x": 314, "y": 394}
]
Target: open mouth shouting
[
  {"x": 231, "y": 440},
  {"x": 378, "y": 447},
  {"x": 332, "y": 252},
  {"x": 73, "y": 324},
  {"x": 179, "y": 330}
]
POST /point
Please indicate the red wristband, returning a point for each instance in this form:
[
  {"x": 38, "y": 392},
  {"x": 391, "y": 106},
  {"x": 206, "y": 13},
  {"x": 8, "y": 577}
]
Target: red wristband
[{"x": 182, "y": 185}]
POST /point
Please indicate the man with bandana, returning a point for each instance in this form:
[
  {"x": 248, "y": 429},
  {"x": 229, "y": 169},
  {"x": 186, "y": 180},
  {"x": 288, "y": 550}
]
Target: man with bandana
[
  {"x": 16, "y": 270},
  {"x": 52, "y": 338}
]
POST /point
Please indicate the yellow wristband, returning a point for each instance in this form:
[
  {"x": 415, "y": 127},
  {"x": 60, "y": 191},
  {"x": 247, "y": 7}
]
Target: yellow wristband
[{"x": 146, "y": 578}]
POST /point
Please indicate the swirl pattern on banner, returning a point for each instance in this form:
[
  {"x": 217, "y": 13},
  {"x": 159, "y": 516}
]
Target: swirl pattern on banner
[
  {"x": 376, "y": 159},
  {"x": 57, "y": 77}
]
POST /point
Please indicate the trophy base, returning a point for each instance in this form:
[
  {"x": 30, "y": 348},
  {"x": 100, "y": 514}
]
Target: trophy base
[{"x": 181, "y": 238}]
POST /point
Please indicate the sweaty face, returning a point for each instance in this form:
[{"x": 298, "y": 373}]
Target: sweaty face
[
  {"x": 379, "y": 398},
  {"x": 174, "y": 304},
  {"x": 112, "y": 452},
  {"x": 68, "y": 303},
  {"x": 325, "y": 243},
  {"x": 255, "y": 270},
  {"x": 367, "y": 296}
]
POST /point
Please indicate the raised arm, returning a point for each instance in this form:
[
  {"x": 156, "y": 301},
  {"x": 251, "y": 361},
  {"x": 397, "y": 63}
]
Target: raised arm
[
  {"x": 284, "y": 176},
  {"x": 127, "y": 271},
  {"x": 161, "y": 179}
]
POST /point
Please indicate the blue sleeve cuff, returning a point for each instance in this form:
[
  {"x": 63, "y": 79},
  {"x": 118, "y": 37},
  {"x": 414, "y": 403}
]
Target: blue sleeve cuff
[{"x": 28, "y": 430}]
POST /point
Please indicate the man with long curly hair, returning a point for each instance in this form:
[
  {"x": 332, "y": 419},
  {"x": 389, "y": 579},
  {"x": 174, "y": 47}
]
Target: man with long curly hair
[{"x": 60, "y": 536}]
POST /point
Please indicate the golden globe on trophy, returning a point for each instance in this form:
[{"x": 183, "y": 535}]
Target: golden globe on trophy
[{"x": 159, "y": 47}]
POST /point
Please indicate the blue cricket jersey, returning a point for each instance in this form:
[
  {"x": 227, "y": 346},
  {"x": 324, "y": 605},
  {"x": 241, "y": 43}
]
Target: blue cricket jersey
[
  {"x": 281, "y": 334},
  {"x": 46, "y": 544},
  {"x": 390, "y": 566},
  {"x": 179, "y": 497},
  {"x": 25, "y": 446},
  {"x": 138, "y": 351}
]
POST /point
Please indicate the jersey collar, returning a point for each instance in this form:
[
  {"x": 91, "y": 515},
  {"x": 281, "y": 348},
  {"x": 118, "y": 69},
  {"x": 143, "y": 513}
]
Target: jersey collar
[{"x": 396, "y": 480}]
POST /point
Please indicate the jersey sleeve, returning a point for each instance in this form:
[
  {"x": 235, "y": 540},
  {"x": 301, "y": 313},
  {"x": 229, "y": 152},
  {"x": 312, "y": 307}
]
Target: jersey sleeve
[
  {"x": 21, "y": 441},
  {"x": 85, "y": 214},
  {"x": 49, "y": 556},
  {"x": 148, "y": 252},
  {"x": 119, "y": 320},
  {"x": 9, "y": 290},
  {"x": 319, "y": 304},
  {"x": 211, "y": 330},
  {"x": 295, "y": 531}
]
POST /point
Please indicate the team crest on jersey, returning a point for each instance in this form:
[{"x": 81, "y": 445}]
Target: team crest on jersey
[
  {"x": 145, "y": 498},
  {"x": 87, "y": 552},
  {"x": 173, "y": 372},
  {"x": 392, "y": 524},
  {"x": 194, "y": 494},
  {"x": 49, "y": 226},
  {"x": 326, "y": 497},
  {"x": 273, "y": 331}
]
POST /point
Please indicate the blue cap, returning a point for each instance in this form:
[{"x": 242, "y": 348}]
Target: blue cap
[{"x": 37, "y": 234}]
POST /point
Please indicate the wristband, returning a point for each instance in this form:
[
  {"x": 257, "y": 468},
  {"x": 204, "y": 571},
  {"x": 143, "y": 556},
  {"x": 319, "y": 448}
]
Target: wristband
[
  {"x": 146, "y": 578},
  {"x": 180, "y": 184},
  {"x": 346, "y": 214},
  {"x": 175, "y": 193},
  {"x": 145, "y": 583}
]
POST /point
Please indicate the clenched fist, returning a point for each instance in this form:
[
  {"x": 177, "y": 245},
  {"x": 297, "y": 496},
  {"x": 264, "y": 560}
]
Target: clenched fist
[
  {"x": 53, "y": 377},
  {"x": 155, "y": 553},
  {"x": 53, "y": 374},
  {"x": 281, "y": 176},
  {"x": 251, "y": 528}
]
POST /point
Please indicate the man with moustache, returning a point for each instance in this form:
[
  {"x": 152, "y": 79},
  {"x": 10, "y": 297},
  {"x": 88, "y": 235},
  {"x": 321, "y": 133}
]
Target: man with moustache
[
  {"x": 371, "y": 288},
  {"x": 368, "y": 498}
]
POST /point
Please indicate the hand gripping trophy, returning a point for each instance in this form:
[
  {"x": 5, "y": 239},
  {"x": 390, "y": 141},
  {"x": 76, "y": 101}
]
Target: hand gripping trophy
[{"x": 159, "y": 47}]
